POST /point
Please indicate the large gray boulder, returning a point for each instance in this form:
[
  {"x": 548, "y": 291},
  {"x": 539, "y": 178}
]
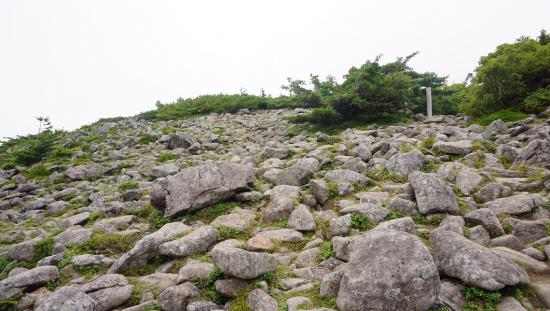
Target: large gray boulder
[
  {"x": 201, "y": 186},
  {"x": 258, "y": 300},
  {"x": 148, "y": 247},
  {"x": 108, "y": 291},
  {"x": 487, "y": 218},
  {"x": 432, "y": 194},
  {"x": 405, "y": 163},
  {"x": 388, "y": 270},
  {"x": 29, "y": 278},
  {"x": 474, "y": 264},
  {"x": 242, "y": 264},
  {"x": 294, "y": 175}
]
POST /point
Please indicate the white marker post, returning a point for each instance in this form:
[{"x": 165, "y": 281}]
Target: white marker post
[{"x": 429, "y": 101}]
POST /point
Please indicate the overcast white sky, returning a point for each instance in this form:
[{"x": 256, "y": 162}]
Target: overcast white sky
[{"x": 77, "y": 61}]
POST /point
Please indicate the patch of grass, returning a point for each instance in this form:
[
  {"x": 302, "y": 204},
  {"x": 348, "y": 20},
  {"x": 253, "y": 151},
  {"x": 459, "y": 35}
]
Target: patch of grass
[
  {"x": 11, "y": 303},
  {"x": 127, "y": 185},
  {"x": 146, "y": 139},
  {"x": 506, "y": 115},
  {"x": 325, "y": 251},
  {"x": 90, "y": 271},
  {"x": 360, "y": 222},
  {"x": 142, "y": 212},
  {"x": 210, "y": 213},
  {"x": 427, "y": 143},
  {"x": 383, "y": 174},
  {"x": 429, "y": 166},
  {"x": 421, "y": 219},
  {"x": 484, "y": 145},
  {"x": 332, "y": 190},
  {"x": 227, "y": 233},
  {"x": 478, "y": 299},
  {"x": 394, "y": 215},
  {"x": 44, "y": 248},
  {"x": 104, "y": 243},
  {"x": 166, "y": 156},
  {"x": 37, "y": 172},
  {"x": 157, "y": 220},
  {"x": 313, "y": 294}
]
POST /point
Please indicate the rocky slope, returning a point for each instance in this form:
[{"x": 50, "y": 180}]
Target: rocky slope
[{"x": 230, "y": 212}]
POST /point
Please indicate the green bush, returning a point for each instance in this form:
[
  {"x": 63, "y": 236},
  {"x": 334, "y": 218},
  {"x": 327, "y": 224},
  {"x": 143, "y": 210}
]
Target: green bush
[
  {"x": 360, "y": 222},
  {"x": 127, "y": 185},
  {"x": 514, "y": 77},
  {"x": 44, "y": 248},
  {"x": 157, "y": 220},
  {"x": 537, "y": 101},
  {"x": 506, "y": 115},
  {"x": 146, "y": 139}
]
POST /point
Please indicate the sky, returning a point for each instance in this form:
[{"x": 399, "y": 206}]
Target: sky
[{"x": 77, "y": 61}]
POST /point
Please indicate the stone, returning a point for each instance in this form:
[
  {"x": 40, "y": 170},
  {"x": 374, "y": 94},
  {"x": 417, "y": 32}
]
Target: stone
[
  {"x": 508, "y": 240},
  {"x": 74, "y": 234},
  {"x": 195, "y": 242},
  {"x": 67, "y": 298},
  {"x": 373, "y": 212},
  {"x": 530, "y": 264},
  {"x": 402, "y": 164},
  {"x": 509, "y": 304},
  {"x": 180, "y": 140},
  {"x": 461, "y": 147},
  {"x": 527, "y": 230},
  {"x": 260, "y": 243},
  {"x": 432, "y": 194},
  {"x": 487, "y": 218},
  {"x": 77, "y": 219},
  {"x": 258, "y": 300},
  {"x": 537, "y": 152},
  {"x": 201, "y": 186},
  {"x": 89, "y": 259},
  {"x": 301, "y": 219},
  {"x": 467, "y": 180},
  {"x": 479, "y": 235},
  {"x": 330, "y": 284},
  {"x": 230, "y": 287},
  {"x": 474, "y": 264},
  {"x": 242, "y": 264},
  {"x": 369, "y": 281},
  {"x": 516, "y": 204},
  {"x": 401, "y": 205},
  {"x": 176, "y": 298},
  {"x": 450, "y": 296},
  {"x": 29, "y": 278},
  {"x": 283, "y": 235},
  {"x": 294, "y": 175},
  {"x": 195, "y": 269},
  {"x": 148, "y": 247},
  {"x": 23, "y": 250},
  {"x": 543, "y": 293},
  {"x": 320, "y": 190}
]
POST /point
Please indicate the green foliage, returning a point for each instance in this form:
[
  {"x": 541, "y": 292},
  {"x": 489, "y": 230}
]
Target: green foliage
[
  {"x": 537, "y": 101},
  {"x": 27, "y": 150},
  {"x": 332, "y": 189},
  {"x": 44, "y": 248},
  {"x": 421, "y": 219},
  {"x": 166, "y": 156},
  {"x": 514, "y": 76},
  {"x": 383, "y": 174},
  {"x": 104, "y": 243},
  {"x": 428, "y": 143},
  {"x": 360, "y": 222},
  {"x": 146, "y": 139},
  {"x": 227, "y": 233},
  {"x": 210, "y": 213},
  {"x": 394, "y": 215},
  {"x": 325, "y": 251},
  {"x": 127, "y": 185},
  {"x": 157, "y": 220},
  {"x": 37, "y": 172},
  {"x": 478, "y": 299},
  {"x": 10, "y": 303},
  {"x": 506, "y": 115},
  {"x": 222, "y": 103},
  {"x": 214, "y": 275}
]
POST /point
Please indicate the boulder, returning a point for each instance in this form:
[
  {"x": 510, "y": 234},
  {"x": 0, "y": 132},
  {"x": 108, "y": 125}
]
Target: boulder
[
  {"x": 258, "y": 300},
  {"x": 242, "y": 264},
  {"x": 29, "y": 278},
  {"x": 432, "y": 194},
  {"x": 402, "y": 164},
  {"x": 461, "y": 147},
  {"x": 67, "y": 298},
  {"x": 388, "y": 270},
  {"x": 301, "y": 219},
  {"x": 516, "y": 204},
  {"x": 180, "y": 140},
  {"x": 196, "y": 242},
  {"x": 176, "y": 298},
  {"x": 201, "y": 186},
  {"x": 148, "y": 247},
  {"x": 537, "y": 152},
  {"x": 474, "y": 264}
]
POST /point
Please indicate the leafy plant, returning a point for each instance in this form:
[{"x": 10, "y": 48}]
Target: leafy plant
[{"x": 360, "y": 222}]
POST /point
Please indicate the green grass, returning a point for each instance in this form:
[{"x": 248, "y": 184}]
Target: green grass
[
  {"x": 166, "y": 156},
  {"x": 325, "y": 251},
  {"x": 227, "y": 233},
  {"x": 157, "y": 220},
  {"x": 104, "y": 243},
  {"x": 478, "y": 299},
  {"x": 421, "y": 219},
  {"x": 146, "y": 139},
  {"x": 394, "y": 215},
  {"x": 360, "y": 222},
  {"x": 506, "y": 115},
  {"x": 44, "y": 248},
  {"x": 127, "y": 185},
  {"x": 37, "y": 172}
]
